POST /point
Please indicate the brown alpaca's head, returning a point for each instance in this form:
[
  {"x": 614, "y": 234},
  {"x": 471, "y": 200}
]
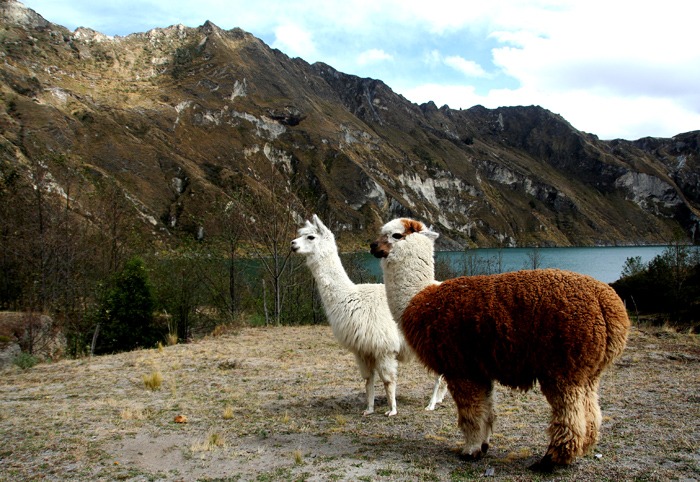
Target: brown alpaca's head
[{"x": 395, "y": 232}]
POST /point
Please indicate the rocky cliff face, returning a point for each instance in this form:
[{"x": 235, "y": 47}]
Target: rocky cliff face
[{"x": 180, "y": 118}]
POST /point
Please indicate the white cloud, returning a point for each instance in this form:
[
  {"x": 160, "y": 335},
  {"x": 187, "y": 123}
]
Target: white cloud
[
  {"x": 433, "y": 58},
  {"x": 295, "y": 42},
  {"x": 467, "y": 67},
  {"x": 372, "y": 56}
]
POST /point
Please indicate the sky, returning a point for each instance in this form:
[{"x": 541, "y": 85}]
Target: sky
[{"x": 613, "y": 68}]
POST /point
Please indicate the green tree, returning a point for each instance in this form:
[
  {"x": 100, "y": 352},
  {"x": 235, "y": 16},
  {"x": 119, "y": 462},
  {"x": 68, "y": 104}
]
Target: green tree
[
  {"x": 669, "y": 285},
  {"x": 125, "y": 315},
  {"x": 633, "y": 266}
]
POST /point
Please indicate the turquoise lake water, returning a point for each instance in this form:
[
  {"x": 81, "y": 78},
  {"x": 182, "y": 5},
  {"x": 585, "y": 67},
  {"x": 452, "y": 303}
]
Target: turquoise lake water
[{"x": 602, "y": 263}]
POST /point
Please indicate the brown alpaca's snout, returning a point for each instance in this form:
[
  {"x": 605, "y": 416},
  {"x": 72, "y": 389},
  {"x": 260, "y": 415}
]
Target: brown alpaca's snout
[{"x": 380, "y": 248}]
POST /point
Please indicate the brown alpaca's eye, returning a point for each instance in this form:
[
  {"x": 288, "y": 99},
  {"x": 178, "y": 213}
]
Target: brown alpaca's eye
[
  {"x": 311, "y": 238},
  {"x": 397, "y": 235}
]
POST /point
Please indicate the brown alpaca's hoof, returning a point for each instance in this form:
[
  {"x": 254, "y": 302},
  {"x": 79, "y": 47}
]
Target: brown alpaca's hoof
[
  {"x": 544, "y": 465},
  {"x": 471, "y": 457},
  {"x": 475, "y": 454}
]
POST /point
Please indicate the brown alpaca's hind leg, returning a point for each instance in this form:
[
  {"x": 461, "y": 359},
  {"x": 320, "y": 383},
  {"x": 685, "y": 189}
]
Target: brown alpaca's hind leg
[
  {"x": 593, "y": 416},
  {"x": 567, "y": 430},
  {"x": 475, "y": 415}
]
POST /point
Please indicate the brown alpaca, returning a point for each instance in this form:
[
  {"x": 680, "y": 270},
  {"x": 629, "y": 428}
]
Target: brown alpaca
[{"x": 554, "y": 327}]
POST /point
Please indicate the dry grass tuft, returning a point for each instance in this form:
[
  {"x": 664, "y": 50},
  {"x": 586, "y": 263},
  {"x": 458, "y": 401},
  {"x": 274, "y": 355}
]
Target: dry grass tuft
[
  {"x": 228, "y": 412},
  {"x": 298, "y": 457},
  {"x": 520, "y": 454},
  {"x": 219, "y": 330},
  {"x": 153, "y": 381},
  {"x": 230, "y": 364},
  {"x": 212, "y": 441},
  {"x": 134, "y": 413}
]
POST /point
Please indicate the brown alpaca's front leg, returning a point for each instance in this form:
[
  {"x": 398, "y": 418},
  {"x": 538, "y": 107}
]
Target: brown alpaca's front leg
[{"x": 475, "y": 415}]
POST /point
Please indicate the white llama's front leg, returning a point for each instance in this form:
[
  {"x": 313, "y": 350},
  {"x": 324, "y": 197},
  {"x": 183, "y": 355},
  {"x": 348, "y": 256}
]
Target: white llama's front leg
[{"x": 439, "y": 393}]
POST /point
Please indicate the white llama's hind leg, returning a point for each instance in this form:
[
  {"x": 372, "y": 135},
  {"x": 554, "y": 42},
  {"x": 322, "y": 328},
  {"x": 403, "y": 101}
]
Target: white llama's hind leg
[
  {"x": 366, "y": 367},
  {"x": 388, "y": 368},
  {"x": 439, "y": 393}
]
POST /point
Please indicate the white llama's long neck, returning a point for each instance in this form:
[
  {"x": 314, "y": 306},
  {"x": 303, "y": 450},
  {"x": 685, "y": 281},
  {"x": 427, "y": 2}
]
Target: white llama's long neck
[
  {"x": 331, "y": 279},
  {"x": 407, "y": 273}
]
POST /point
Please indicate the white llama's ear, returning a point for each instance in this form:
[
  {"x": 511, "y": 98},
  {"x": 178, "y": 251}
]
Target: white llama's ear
[
  {"x": 432, "y": 235},
  {"x": 319, "y": 225}
]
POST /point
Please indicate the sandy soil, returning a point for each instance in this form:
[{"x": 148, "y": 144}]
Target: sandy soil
[{"x": 285, "y": 404}]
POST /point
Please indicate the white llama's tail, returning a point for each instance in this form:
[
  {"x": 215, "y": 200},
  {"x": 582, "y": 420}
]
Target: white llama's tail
[{"x": 405, "y": 352}]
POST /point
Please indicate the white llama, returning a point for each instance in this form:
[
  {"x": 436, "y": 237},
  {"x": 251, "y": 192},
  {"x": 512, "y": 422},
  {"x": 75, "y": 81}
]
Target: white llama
[{"x": 359, "y": 316}]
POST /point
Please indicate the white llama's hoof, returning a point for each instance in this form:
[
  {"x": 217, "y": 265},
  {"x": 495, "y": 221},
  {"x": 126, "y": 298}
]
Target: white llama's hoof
[
  {"x": 430, "y": 407},
  {"x": 367, "y": 412},
  {"x": 391, "y": 413}
]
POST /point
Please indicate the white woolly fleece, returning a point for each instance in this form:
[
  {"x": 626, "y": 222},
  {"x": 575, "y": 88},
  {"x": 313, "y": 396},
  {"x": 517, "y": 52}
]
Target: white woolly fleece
[{"x": 409, "y": 267}]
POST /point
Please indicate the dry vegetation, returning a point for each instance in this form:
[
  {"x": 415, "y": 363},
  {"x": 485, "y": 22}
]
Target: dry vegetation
[{"x": 286, "y": 403}]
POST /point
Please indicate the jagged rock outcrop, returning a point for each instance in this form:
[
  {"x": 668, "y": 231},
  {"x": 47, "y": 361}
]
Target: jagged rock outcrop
[{"x": 179, "y": 118}]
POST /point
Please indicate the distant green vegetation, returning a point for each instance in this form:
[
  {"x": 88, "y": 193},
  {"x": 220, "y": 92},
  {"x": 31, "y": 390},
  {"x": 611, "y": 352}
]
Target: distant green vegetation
[
  {"x": 25, "y": 360},
  {"x": 666, "y": 290},
  {"x": 125, "y": 311}
]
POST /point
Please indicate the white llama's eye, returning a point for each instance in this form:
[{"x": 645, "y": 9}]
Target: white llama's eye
[
  {"x": 397, "y": 235},
  {"x": 310, "y": 237}
]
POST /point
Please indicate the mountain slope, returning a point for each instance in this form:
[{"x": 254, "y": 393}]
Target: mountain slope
[{"x": 179, "y": 119}]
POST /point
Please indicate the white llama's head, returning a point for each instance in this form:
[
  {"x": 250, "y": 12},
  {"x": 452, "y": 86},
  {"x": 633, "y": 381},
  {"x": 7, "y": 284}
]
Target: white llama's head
[
  {"x": 314, "y": 239},
  {"x": 402, "y": 236}
]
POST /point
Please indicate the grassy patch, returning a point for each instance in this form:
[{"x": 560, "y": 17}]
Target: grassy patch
[{"x": 153, "y": 381}]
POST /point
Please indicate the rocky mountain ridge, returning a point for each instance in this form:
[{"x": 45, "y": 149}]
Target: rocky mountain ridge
[{"x": 180, "y": 119}]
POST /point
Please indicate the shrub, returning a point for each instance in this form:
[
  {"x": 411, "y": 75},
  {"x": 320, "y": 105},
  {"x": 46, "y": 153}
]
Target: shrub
[
  {"x": 669, "y": 285},
  {"x": 25, "y": 360},
  {"x": 125, "y": 314}
]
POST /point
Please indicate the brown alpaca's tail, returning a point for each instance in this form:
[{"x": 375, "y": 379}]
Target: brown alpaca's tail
[{"x": 617, "y": 323}]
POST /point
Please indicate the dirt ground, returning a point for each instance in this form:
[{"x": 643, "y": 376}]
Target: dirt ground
[{"x": 285, "y": 403}]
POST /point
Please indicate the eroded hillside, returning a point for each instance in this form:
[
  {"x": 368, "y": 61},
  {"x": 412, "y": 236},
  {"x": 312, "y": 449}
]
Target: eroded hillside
[{"x": 178, "y": 120}]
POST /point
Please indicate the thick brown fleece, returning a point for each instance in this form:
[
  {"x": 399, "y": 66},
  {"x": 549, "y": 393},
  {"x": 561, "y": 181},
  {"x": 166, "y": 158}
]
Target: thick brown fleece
[
  {"x": 556, "y": 327},
  {"x": 518, "y": 327}
]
